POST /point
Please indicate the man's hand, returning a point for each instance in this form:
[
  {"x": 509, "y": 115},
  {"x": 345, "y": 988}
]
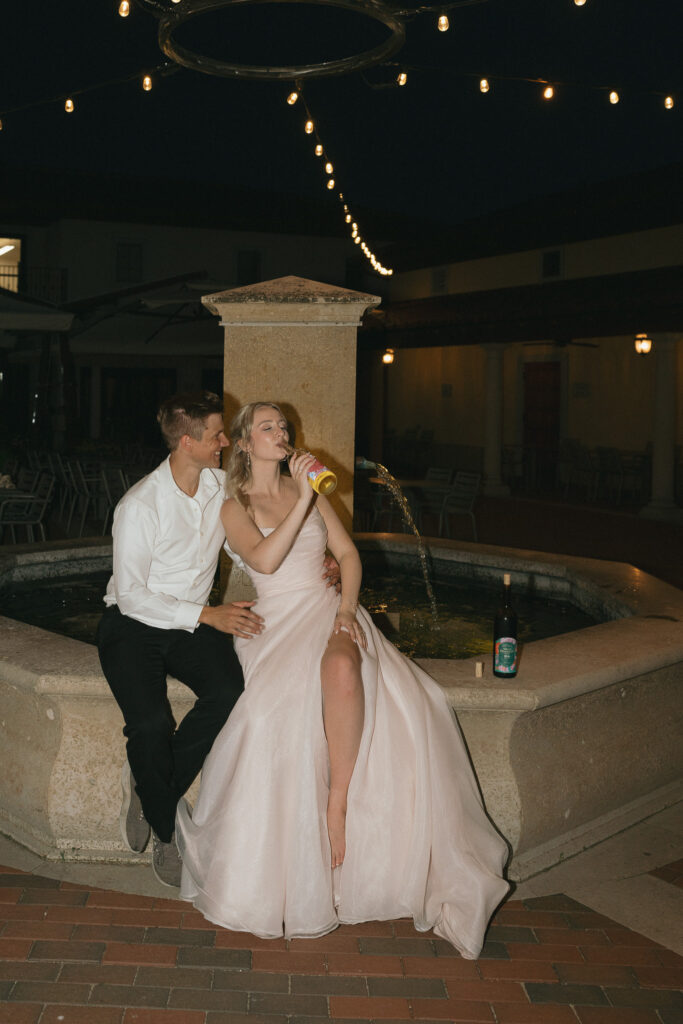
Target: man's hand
[
  {"x": 235, "y": 618},
  {"x": 331, "y": 573}
]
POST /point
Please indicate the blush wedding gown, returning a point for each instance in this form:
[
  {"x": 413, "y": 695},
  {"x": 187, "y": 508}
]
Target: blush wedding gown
[{"x": 255, "y": 848}]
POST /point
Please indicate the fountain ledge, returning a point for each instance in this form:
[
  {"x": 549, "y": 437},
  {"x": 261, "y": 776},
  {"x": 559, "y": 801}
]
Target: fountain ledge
[{"x": 585, "y": 741}]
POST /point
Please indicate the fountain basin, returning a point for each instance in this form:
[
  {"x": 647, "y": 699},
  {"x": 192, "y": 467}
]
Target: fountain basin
[{"x": 584, "y": 742}]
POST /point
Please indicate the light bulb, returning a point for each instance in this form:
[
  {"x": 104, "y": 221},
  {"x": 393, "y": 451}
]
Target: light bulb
[
  {"x": 484, "y": 85},
  {"x": 176, "y": 1},
  {"x": 328, "y": 168},
  {"x": 330, "y": 183},
  {"x": 347, "y": 218},
  {"x": 308, "y": 128},
  {"x": 318, "y": 150},
  {"x": 147, "y": 83},
  {"x": 354, "y": 232},
  {"x": 292, "y": 98},
  {"x": 548, "y": 92},
  {"x": 388, "y": 356},
  {"x": 443, "y": 24},
  {"x": 401, "y": 78},
  {"x": 357, "y": 240},
  {"x": 579, "y": 3},
  {"x": 669, "y": 102},
  {"x": 614, "y": 96},
  {"x": 69, "y": 106},
  {"x": 124, "y": 8},
  {"x": 355, "y": 226}
]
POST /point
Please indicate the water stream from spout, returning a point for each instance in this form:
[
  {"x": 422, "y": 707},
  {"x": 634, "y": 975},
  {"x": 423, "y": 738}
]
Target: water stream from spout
[{"x": 391, "y": 483}]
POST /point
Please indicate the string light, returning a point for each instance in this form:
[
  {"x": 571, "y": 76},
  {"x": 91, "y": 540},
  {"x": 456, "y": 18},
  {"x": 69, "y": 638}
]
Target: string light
[
  {"x": 292, "y": 98},
  {"x": 669, "y": 102},
  {"x": 401, "y": 78},
  {"x": 124, "y": 9},
  {"x": 484, "y": 85},
  {"x": 69, "y": 106},
  {"x": 347, "y": 218},
  {"x": 548, "y": 92},
  {"x": 328, "y": 168},
  {"x": 579, "y": 3},
  {"x": 614, "y": 96},
  {"x": 443, "y": 24},
  {"x": 147, "y": 83},
  {"x": 308, "y": 128},
  {"x": 318, "y": 150}
]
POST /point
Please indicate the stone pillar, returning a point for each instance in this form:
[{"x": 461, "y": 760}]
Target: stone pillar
[
  {"x": 662, "y": 503},
  {"x": 493, "y": 422},
  {"x": 293, "y": 341}
]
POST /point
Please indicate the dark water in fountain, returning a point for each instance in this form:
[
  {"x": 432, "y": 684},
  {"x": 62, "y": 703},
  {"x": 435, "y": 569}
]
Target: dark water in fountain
[{"x": 73, "y": 606}]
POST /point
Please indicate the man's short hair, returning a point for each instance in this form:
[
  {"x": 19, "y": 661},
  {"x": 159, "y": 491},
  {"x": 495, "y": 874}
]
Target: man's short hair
[{"x": 187, "y": 413}]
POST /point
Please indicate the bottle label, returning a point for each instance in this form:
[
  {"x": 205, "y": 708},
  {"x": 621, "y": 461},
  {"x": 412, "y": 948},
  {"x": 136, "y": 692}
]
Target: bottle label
[
  {"x": 505, "y": 655},
  {"x": 316, "y": 469}
]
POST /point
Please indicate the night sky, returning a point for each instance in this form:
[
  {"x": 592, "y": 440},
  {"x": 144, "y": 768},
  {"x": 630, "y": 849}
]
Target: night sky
[{"x": 435, "y": 149}]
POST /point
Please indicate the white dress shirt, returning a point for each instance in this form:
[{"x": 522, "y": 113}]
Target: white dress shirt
[{"x": 166, "y": 546}]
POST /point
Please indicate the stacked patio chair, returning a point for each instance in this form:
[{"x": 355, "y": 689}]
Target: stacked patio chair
[
  {"x": 114, "y": 486},
  {"x": 460, "y": 501},
  {"x": 27, "y": 512},
  {"x": 425, "y": 501}
]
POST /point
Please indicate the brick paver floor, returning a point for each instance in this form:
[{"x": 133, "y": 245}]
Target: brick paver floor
[{"x": 80, "y": 955}]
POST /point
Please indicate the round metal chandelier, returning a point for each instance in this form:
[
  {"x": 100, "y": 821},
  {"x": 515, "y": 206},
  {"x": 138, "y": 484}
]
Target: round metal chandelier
[{"x": 174, "y": 13}]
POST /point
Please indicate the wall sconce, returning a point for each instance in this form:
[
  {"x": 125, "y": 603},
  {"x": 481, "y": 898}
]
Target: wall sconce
[
  {"x": 643, "y": 344},
  {"x": 388, "y": 356}
]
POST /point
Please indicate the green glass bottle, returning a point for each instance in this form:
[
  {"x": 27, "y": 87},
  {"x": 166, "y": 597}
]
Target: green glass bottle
[{"x": 505, "y": 635}]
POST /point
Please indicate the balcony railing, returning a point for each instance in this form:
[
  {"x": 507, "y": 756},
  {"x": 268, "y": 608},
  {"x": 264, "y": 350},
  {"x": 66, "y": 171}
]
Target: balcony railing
[{"x": 45, "y": 283}]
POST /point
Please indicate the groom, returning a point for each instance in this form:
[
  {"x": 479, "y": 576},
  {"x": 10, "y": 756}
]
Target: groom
[{"x": 167, "y": 537}]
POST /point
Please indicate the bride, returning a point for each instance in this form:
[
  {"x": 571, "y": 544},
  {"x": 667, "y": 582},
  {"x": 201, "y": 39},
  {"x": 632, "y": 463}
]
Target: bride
[{"x": 340, "y": 789}]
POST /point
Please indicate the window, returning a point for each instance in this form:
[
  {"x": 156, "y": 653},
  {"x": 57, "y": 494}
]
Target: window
[
  {"x": 10, "y": 258},
  {"x": 128, "y": 262},
  {"x": 551, "y": 264},
  {"x": 439, "y": 277}
]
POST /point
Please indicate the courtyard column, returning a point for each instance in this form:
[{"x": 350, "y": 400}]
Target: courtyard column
[
  {"x": 293, "y": 341},
  {"x": 662, "y": 503},
  {"x": 493, "y": 422}
]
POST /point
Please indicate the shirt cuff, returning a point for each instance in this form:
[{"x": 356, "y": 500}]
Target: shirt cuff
[{"x": 187, "y": 615}]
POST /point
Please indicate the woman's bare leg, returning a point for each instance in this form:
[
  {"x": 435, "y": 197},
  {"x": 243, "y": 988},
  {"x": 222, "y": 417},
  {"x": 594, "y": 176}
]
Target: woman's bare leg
[{"x": 343, "y": 714}]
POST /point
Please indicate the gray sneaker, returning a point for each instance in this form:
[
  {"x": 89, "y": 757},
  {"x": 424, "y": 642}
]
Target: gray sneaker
[
  {"x": 135, "y": 828},
  {"x": 166, "y": 862}
]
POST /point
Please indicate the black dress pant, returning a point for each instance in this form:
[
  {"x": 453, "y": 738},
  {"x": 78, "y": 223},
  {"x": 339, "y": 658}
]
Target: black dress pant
[{"x": 136, "y": 660}]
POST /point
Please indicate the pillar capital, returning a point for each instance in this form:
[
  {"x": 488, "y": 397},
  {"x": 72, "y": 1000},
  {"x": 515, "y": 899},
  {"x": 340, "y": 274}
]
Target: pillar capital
[{"x": 294, "y": 301}]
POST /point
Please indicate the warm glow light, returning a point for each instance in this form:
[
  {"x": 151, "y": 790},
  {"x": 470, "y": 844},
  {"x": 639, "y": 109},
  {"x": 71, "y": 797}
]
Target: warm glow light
[
  {"x": 328, "y": 168},
  {"x": 484, "y": 85},
  {"x": 347, "y": 218},
  {"x": 402, "y": 78},
  {"x": 124, "y": 8},
  {"x": 308, "y": 128},
  {"x": 614, "y": 96},
  {"x": 548, "y": 92},
  {"x": 357, "y": 240},
  {"x": 643, "y": 344},
  {"x": 580, "y": 3},
  {"x": 69, "y": 106},
  {"x": 443, "y": 24},
  {"x": 292, "y": 98},
  {"x": 147, "y": 83},
  {"x": 388, "y": 356},
  {"x": 354, "y": 226},
  {"x": 669, "y": 102},
  {"x": 318, "y": 150},
  {"x": 5, "y": 248},
  {"x": 330, "y": 183}
]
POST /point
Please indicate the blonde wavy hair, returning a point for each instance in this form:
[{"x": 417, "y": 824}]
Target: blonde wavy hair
[{"x": 238, "y": 469}]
